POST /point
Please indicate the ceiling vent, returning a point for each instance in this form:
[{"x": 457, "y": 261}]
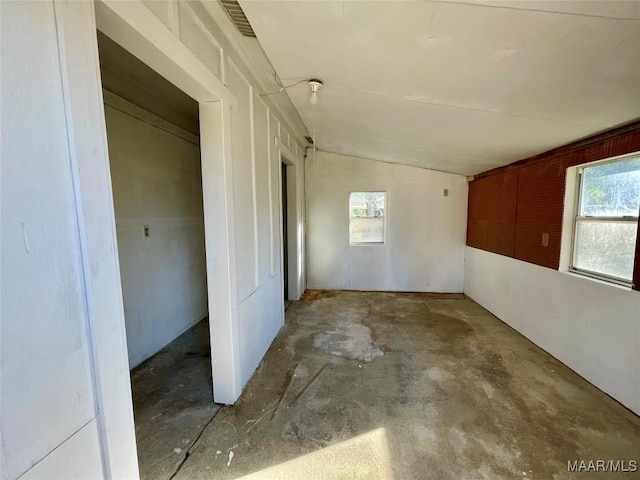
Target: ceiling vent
[{"x": 239, "y": 19}]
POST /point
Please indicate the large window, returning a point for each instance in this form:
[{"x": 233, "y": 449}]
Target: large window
[
  {"x": 606, "y": 222},
  {"x": 367, "y": 218}
]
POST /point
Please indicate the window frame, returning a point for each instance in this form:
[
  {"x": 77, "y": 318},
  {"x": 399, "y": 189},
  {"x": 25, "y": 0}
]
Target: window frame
[
  {"x": 577, "y": 218},
  {"x": 384, "y": 222}
]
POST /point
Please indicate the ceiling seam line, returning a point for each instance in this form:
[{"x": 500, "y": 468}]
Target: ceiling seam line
[
  {"x": 553, "y": 12},
  {"x": 447, "y": 105}
]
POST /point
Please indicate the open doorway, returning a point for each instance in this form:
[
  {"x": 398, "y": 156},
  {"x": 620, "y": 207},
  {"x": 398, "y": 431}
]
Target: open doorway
[
  {"x": 290, "y": 230},
  {"x": 154, "y": 157},
  {"x": 285, "y": 252}
]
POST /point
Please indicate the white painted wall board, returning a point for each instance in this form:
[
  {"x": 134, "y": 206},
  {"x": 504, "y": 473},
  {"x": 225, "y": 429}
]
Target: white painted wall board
[
  {"x": 294, "y": 219},
  {"x": 243, "y": 187},
  {"x": 157, "y": 181},
  {"x": 262, "y": 185},
  {"x": 45, "y": 343},
  {"x": 161, "y": 9},
  {"x": 222, "y": 285},
  {"x": 258, "y": 327},
  {"x": 134, "y": 27},
  {"x": 198, "y": 39},
  {"x": 75, "y": 22},
  {"x": 275, "y": 198},
  {"x": 79, "y": 458},
  {"x": 86, "y": 136},
  {"x": 426, "y": 231},
  {"x": 590, "y": 326}
]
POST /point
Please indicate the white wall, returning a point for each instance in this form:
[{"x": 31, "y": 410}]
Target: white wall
[
  {"x": 257, "y": 219},
  {"x": 590, "y": 326},
  {"x": 156, "y": 180},
  {"x": 426, "y": 231},
  {"x": 49, "y": 419},
  {"x": 66, "y": 399},
  {"x": 242, "y": 136}
]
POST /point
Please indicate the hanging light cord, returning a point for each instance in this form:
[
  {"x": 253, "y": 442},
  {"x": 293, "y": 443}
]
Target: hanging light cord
[
  {"x": 283, "y": 87},
  {"x": 313, "y": 128}
]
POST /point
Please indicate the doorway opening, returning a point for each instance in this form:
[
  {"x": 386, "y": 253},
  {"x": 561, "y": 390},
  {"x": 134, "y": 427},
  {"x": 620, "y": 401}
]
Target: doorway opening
[
  {"x": 285, "y": 251},
  {"x": 155, "y": 162}
]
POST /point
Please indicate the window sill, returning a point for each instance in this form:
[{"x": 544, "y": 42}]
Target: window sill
[
  {"x": 368, "y": 244},
  {"x": 601, "y": 281}
]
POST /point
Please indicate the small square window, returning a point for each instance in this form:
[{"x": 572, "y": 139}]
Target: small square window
[
  {"x": 367, "y": 218},
  {"x": 606, "y": 220}
]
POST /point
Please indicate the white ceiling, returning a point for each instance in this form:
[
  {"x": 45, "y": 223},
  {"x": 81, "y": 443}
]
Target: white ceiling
[{"x": 453, "y": 86}]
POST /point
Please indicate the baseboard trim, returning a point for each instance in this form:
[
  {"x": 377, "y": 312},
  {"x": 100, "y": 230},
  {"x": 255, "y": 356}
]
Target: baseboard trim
[{"x": 163, "y": 342}]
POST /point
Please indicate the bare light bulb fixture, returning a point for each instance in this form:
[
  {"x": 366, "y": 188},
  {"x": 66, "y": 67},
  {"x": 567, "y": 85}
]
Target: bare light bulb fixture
[{"x": 315, "y": 86}]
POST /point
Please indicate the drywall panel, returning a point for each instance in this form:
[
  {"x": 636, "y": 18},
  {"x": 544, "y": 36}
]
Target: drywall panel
[
  {"x": 275, "y": 207},
  {"x": 258, "y": 325},
  {"x": 46, "y": 371},
  {"x": 83, "y": 447},
  {"x": 157, "y": 183},
  {"x": 262, "y": 186},
  {"x": 161, "y": 9},
  {"x": 243, "y": 183},
  {"x": 426, "y": 230},
  {"x": 198, "y": 39},
  {"x": 590, "y": 326}
]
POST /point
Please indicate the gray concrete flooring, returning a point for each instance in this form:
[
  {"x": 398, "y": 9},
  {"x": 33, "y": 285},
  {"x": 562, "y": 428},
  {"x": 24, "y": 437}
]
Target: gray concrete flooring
[
  {"x": 172, "y": 402},
  {"x": 405, "y": 386}
]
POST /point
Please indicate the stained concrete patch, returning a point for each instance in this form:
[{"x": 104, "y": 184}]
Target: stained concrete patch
[{"x": 348, "y": 340}]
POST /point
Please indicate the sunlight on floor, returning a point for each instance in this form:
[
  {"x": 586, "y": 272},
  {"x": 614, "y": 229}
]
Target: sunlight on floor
[{"x": 363, "y": 457}]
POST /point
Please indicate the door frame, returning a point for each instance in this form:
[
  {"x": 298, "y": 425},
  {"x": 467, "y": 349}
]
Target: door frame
[
  {"x": 295, "y": 221},
  {"x": 136, "y": 29}
]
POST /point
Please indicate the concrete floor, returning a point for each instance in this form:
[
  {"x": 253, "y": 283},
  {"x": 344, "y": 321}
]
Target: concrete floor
[
  {"x": 172, "y": 402},
  {"x": 389, "y": 385}
]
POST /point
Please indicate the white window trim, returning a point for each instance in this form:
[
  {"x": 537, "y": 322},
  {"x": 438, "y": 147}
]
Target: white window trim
[
  {"x": 385, "y": 223},
  {"x": 573, "y": 201}
]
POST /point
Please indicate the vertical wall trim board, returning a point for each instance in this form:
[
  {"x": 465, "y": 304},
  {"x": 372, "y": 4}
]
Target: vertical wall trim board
[
  {"x": 217, "y": 179},
  {"x": 58, "y": 9},
  {"x": 272, "y": 243},
  {"x": 92, "y": 178},
  {"x": 174, "y": 15},
  {"x": 254, "y": 193}
]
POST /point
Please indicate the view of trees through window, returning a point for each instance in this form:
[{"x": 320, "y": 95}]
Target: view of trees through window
[
  {"x": 607, "y": 220},
  {"x": 366, "y": 211}
]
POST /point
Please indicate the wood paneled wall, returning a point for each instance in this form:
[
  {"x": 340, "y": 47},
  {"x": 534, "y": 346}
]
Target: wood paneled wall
[{"x": 511, "y": 207}]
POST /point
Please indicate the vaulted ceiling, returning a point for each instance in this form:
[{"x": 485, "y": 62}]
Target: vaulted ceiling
[{"x": 455, "y": 86}]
